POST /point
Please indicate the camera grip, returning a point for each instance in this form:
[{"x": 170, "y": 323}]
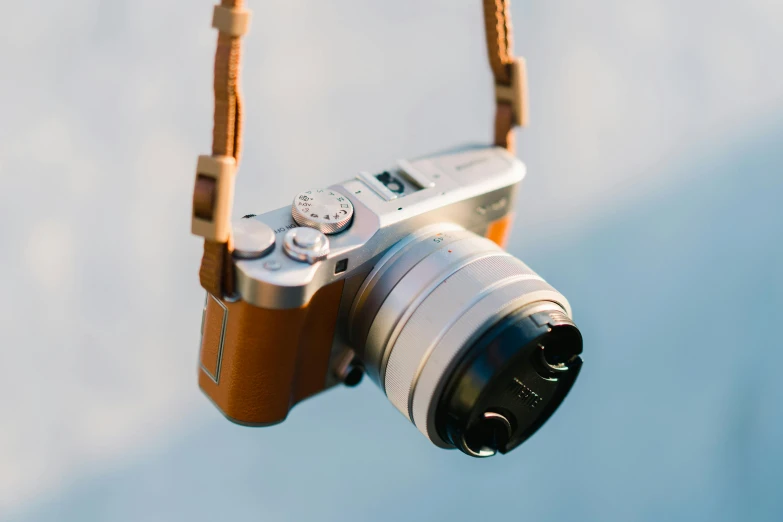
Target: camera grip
[{"x": 257, "y": 363}]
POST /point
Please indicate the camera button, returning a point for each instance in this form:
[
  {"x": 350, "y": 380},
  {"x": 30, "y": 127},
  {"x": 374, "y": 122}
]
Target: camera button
[
  {"x": 252, "y": 239},
  {"x": 306, "y": 244},
  {"x": 309, "y": 238}
]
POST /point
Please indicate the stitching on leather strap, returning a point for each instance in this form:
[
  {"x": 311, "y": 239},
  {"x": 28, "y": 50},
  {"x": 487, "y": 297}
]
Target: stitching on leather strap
[
  {"x": 508, "y": 71},
  {"x": 497, "y": 21}
]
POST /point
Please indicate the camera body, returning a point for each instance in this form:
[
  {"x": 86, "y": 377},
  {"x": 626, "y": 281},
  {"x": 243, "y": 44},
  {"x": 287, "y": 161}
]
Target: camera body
[{"x": 399, "y": 274}]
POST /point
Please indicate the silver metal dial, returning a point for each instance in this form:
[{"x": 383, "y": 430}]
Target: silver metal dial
[
  {"x": 252, "y": 238},
  {"x": 306, "y": 244},
  {"x": 322, "y": 209}
]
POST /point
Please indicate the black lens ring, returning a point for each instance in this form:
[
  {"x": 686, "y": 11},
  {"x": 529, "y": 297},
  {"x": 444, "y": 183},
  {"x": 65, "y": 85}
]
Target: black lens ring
[{"x": 485, "y": 377}]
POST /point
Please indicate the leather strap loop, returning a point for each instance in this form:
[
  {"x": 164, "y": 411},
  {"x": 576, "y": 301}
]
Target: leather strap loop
[
  {"x": 232, "y": 21},
  {"x": 504, "y": 127},
  {"x": 217, "y": 269}
]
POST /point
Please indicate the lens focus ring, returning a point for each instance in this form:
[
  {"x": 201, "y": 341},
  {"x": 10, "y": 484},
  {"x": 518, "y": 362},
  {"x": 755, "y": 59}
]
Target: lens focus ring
[
  {"x": 451, "y": 318},
  {"x": 445, "y": 305}
]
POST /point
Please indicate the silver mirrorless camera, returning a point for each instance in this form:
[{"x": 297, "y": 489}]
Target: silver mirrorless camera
[{"x": 465, "y": 340}]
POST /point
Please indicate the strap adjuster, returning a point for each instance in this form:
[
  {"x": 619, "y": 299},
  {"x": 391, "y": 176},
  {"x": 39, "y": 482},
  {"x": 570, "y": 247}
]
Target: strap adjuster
[
  {"x": 232, "y": 21},
  {"x": 213, "y": 196},
  {"x": 516, "y": 93}
]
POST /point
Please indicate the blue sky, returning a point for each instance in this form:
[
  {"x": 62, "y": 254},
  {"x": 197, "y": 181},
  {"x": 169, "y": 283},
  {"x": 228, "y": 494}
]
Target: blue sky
[{"x": 652, "y": 202}]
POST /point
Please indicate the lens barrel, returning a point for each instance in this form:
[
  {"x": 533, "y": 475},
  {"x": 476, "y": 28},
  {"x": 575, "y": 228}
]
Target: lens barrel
[{"x": 467, "y": 342}]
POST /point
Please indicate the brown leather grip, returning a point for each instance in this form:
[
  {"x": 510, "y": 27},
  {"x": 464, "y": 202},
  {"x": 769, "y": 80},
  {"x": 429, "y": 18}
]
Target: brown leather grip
[{"x": 270, "y": 359}]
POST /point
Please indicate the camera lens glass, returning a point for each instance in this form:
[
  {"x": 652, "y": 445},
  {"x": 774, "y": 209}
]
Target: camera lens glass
[{"x": 468, "y": 342}]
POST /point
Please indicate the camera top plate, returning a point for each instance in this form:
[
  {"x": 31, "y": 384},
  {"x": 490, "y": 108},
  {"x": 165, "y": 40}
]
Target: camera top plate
[{"x": 471, "y": 187}]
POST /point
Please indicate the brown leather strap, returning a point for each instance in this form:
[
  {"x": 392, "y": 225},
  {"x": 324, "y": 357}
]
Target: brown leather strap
[
  {"x": 227, "y": 131},
  {"x": 504, "y": 127},
  {"x": 497, "y": 21},
  {"x": 217, "y": 270}
]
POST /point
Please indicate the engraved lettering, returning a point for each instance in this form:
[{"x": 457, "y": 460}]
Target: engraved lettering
[
  {"x": 492, "y": 207},
  {"x": 280, "y": 230},
  {"x": 524, "y": 394},
  {"x": 471, "y": 163}
]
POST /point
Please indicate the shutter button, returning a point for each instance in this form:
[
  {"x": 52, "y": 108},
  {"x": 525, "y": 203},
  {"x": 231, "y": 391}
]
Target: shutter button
[{"x": 306, "y": 244}]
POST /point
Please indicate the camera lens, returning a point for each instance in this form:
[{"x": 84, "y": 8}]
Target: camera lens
[{"x": 467, "y": 342}]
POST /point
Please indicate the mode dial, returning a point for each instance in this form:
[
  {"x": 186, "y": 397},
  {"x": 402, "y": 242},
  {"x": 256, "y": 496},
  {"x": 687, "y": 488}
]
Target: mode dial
[{"x": 322, "y": 209}]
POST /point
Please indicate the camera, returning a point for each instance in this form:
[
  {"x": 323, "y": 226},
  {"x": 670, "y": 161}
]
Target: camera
[{"x": 398, "y": 274}]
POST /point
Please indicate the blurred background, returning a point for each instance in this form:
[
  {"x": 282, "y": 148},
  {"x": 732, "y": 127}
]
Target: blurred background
[{"x": 654, "y": 201}]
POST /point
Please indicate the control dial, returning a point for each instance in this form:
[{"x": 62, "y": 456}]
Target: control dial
[{"x": 322, "y": 209}]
